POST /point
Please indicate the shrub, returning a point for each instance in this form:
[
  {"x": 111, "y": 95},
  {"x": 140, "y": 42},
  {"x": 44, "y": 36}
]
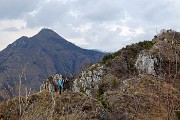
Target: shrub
[
  {"x": 109, "y": 57},
  {"x": 146, "y": 44},
  {"x": 178, "y": 114},
  {"x": 114, "y": 83}
]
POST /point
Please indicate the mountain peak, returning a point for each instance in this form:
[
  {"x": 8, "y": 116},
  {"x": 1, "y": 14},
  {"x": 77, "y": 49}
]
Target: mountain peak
[
  {"x": 47, "y": 33},
  {"x": 22, "y": 41},
  {"x": 46, "y": 30}
]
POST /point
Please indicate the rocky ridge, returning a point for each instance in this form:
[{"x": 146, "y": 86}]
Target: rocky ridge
[
  {"x": 135, "y": 83},
  {"x": 88, "y": 80}
]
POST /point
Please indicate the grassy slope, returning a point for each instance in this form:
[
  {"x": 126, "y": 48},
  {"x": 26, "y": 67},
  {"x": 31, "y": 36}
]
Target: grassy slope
[
  {"x": 122, "y": 94},
  {"x": 137, "y": 99}
]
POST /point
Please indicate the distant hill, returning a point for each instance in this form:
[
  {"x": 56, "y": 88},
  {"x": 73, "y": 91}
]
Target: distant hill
[
  {"x": 40, "y": 56},
  {"x": 102, "y": 51}
]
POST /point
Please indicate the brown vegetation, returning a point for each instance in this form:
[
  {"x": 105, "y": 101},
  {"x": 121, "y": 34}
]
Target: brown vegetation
[{"x": 122, "y": 93}]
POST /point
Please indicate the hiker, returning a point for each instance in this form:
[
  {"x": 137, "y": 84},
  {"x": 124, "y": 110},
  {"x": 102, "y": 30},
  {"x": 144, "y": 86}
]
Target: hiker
[
  {"x": 54, "y": 85},
  {"x": 60, "y": 84}
]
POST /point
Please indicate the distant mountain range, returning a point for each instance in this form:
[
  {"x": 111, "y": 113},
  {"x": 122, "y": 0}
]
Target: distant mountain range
[
  {"x": 40, "y": 56},
  {"x": 102, "y": 51}
]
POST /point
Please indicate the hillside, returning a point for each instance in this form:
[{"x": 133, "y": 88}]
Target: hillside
[
  {"x": 136, "y": 99},
  {"x": 38, "y": 57},
  {"x": 138, "y": 82}
]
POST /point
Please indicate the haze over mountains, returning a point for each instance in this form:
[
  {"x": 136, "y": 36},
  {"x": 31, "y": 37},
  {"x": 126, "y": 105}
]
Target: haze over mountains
[{"x": 40, "y": 56}]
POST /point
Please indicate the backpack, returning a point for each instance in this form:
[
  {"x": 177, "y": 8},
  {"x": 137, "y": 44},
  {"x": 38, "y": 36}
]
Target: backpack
[{"x": 60, "y": 83}]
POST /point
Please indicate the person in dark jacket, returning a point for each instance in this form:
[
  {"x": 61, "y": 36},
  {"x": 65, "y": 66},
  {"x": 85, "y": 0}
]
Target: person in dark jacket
[{"x": 54, "y": 84}]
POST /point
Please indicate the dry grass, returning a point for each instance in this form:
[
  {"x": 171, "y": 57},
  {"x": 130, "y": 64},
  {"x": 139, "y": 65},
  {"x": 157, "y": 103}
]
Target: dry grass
[
  {"x": 137, "y": 98},
  {"x": 133, "y": 99}
]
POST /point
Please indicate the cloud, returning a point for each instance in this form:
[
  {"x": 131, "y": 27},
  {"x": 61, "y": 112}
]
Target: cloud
[
  {"x": 8, "y": 37},
  {"x": 104, "y": 24},
  {"x": 50, "y": 14},
  {"x": 83, "y": 28},
  {"x": 78, "y": 41},
  {"x": 13, "y": 9},
  {"x": 11, "y": 25},
  {"x": 10, "y": 29},
  {"x": 126, "y": 31},
  {"x": 102, "y": 11}
]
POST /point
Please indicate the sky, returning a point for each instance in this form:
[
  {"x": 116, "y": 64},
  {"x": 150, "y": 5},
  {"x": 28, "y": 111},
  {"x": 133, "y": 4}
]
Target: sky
[{"x": 106, "y": 25}]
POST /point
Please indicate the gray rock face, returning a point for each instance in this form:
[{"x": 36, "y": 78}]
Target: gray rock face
[
  {"x": 51, "y": 84},
  {"x": 145, "y": 63},
  {"x": 88, "y": 80}
]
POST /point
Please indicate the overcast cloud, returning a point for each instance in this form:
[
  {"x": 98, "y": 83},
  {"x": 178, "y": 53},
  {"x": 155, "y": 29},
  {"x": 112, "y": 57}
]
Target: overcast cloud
[{"x": 107, "y": 25}]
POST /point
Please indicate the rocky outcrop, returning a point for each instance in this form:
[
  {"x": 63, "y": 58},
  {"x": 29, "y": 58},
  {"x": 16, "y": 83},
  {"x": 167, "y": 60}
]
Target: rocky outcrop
[
  {"x": 88, "y": 80},
  {"x": 145, "y": 63},
  {"x": 51, "y": 84}
]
